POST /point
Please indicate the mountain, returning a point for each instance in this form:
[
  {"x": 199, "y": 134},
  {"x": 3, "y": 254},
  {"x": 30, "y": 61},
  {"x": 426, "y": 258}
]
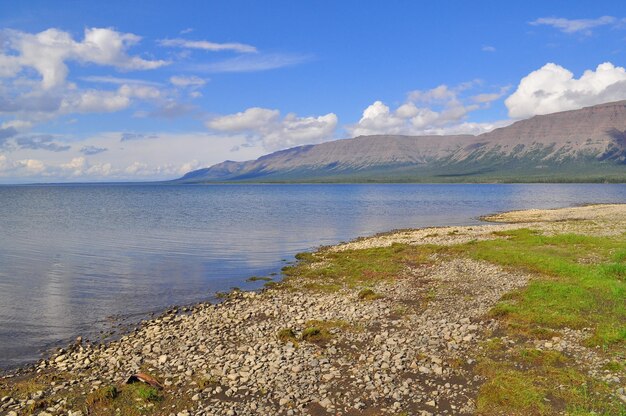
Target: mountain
[{"x": 580, "y": 145}]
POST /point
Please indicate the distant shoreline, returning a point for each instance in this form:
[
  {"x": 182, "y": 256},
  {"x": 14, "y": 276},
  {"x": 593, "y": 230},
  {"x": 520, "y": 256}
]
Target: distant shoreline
[{"x": 428, "y": 181}]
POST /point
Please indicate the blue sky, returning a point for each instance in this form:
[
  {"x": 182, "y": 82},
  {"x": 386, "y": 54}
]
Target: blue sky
[{"x": 140, "y": 90}]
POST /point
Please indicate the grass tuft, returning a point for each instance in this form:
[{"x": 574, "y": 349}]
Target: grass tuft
[
  {"x": 321, "y": 332},
  {"x": 103, "y": 395},
  {"x": 147, "y": 393},
  {"x": 287, "y": 335},
  {"x": 368, "y": 294}
]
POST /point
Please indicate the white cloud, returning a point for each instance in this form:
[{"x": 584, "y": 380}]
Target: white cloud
[
  {"x": 32, "y": 166},
  {"x": 442, "y": 93},
  {"x": 105, "y": 158},
  {"x": 490, "y": 97},
  {"x": 207, "y": 46},
  {"x": 570, "y": 26},
  {"x": 119, "y": 81},
  {"x": 378, "y": 119},
  {"x": 187, "y": 81},
  {"x": 76, "y": 166},
  {"x": 440, "y": 110},
  {"x": 100, "y": 170},
  {"x": 553, "y": 88},
  {"x": 139, "y": 91},
  {"x": 36, "y": 66},
  {"x": 266, "y": 126},
  {"x": 94, "y": 101},
  {"x": 17, "y": 124},
  {"x": 247, "y": 63},
  {"x": 98, "y": 101},
  {"x": 189, "y": 166},
  {"x": 48, "y": 51},
  {"x": 251, "y": 119},
  {"x": 295, "y": 131},
  {"x": 135, "y": 168},
  {"x": 488, "y": 48}
]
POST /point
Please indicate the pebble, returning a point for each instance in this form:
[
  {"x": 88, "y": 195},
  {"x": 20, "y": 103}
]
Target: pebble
[{"x": 373, "y": 358}]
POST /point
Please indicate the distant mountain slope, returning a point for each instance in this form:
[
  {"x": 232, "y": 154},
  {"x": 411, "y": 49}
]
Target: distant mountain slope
[{"x": 579, "y": 145}]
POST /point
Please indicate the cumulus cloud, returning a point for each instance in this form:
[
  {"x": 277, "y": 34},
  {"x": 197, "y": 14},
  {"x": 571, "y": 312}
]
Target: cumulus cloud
[
  {"x": 207, "y": 46},
  {"x": 31, "y": 166},
  {"x": 47, "y": 53},
  {"x": 41, "y": 105},
  {"x": 273, "y": 132},
  {"x": 440, "y": 110},
  {"x": 570, "y": 26},
  {"x": 98, "y": 101},
  {"x": 35, "y": 66},
  {"x": 76, "y": 165},
  {"x": 252, "y": 119},
  {"x": 553, "y": 88}
]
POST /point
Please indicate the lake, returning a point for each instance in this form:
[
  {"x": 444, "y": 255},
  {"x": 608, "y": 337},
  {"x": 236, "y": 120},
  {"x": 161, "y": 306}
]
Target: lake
[{"x": 75, "y": 259}]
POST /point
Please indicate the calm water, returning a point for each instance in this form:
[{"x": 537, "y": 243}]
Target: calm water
[{"x": 71, "y": 257}]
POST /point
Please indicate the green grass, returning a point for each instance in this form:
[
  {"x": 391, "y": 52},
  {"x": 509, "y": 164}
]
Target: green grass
[
  {"x": 331, "y": 271},
  {"x": 548, "y": 384},
  {"x": 581, "y": 282},
  {"x": 578, "y": 282},
  {"x": 146, "y": 392},
  {"x": 509, "y": 392}
]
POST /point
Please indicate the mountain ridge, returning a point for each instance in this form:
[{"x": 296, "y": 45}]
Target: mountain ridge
[{"x": 588, "y": 144}]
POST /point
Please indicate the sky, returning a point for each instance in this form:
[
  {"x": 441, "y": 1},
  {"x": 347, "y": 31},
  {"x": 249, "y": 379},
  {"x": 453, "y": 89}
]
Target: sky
[{"x": 149, "y": 90}]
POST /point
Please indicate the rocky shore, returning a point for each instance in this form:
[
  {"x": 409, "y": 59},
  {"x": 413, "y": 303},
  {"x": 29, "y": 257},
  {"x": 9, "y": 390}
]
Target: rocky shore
[{"x": 402, "y": 346}]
